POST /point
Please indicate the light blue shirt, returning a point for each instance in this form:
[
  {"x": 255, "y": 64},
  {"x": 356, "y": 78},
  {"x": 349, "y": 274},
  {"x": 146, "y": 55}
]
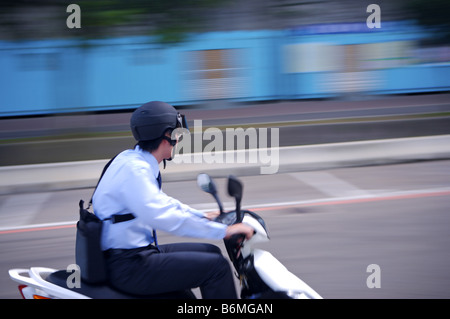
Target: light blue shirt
[{"x": 130, "y": 185}]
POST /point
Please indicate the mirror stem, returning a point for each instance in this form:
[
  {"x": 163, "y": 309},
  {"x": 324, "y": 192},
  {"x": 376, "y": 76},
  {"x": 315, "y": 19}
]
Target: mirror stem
[
  {"x": 238, "y": 211},
  {"x": 218, "y": 202}
]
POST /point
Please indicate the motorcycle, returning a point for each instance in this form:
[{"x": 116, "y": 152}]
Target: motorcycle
[{"x": 260, "y": 274}]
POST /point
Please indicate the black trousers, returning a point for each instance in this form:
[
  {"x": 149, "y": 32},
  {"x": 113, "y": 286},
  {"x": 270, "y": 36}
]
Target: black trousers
[{"x": 174, "y": 267}]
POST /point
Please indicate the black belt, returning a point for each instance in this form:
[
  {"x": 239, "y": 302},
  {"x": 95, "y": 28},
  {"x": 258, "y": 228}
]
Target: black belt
[
  {"x": 123, "y": 252},
  {"x": 114, "y": 252}
]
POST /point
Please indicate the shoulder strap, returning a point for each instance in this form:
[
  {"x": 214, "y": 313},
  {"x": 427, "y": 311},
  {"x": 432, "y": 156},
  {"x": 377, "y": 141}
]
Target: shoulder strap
[
  {"x": 114, "y": 218},
  {"x": 103, "y": 173}
]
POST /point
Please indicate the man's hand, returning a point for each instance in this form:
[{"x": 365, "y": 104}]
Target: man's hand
[{"x": 240, "y": 229}]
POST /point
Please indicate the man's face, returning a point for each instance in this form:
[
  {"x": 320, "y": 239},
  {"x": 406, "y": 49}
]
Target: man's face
[{"x": 168, "y": 147}]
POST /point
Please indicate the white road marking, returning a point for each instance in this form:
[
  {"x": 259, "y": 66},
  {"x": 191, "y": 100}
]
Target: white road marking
[
  {"x": 444, "y": 191},
  {"x": 19, "y": 209},
  {"x": 329, "y": 184}
]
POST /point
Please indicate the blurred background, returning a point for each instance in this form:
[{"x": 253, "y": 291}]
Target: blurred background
[{"x": 187, "y": 52}]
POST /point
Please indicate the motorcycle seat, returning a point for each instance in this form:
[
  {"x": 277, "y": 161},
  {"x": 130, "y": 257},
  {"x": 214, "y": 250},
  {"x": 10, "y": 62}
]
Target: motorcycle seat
[{"x": 104, "y": 291}]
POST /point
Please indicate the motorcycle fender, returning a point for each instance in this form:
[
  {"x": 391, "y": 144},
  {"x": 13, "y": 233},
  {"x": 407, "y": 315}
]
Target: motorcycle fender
[{"x": 278, "y": 277}]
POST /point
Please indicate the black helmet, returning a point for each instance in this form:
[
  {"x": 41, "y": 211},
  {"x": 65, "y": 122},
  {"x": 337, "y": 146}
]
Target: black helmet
[{"x": 151, "y": 120}]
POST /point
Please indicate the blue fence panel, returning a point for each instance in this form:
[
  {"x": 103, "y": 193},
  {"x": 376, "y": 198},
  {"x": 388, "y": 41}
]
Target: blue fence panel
[{"x": 54, "y": 76}]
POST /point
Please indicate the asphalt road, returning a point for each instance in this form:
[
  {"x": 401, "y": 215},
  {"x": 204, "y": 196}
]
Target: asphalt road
[
  {"x": 62, "y": 138},
  {"x": 326, "y": 227}
]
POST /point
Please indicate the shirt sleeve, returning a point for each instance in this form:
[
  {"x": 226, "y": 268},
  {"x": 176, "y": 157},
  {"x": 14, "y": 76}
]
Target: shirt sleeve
[
  {"x": 162, "y": 212},
  {"x": 189, "y": 209}
]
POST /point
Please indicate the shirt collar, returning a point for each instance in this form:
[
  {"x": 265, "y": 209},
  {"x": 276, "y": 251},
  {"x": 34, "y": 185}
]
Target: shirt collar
[{"x": 149, "y": 158}]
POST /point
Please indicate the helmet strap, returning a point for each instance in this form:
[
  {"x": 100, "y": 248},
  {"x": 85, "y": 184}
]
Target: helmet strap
[{"x": 164, "y": 162}]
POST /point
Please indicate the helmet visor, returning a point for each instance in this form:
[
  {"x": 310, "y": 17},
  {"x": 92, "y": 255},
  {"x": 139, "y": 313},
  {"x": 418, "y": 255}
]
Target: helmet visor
[{"x": 181, "y": 121}]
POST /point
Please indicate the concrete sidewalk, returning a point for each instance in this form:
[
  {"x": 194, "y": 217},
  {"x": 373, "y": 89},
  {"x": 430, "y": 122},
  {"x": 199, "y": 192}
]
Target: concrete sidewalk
[{"x": 84, "y": 174}]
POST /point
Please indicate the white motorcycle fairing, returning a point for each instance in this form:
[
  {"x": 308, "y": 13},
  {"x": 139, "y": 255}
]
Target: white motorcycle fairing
[
  {"x": 271, "y": 271},
  {"x": 279, "y": 278},
  {"x": 37, "y": 287}
]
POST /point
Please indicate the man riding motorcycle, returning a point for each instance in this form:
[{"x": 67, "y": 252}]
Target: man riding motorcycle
[{"x": 130, "y": 192}]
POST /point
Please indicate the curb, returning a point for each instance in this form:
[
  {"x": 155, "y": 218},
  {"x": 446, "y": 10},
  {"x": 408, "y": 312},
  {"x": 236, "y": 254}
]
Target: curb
[{"x": 85, "y": 174}]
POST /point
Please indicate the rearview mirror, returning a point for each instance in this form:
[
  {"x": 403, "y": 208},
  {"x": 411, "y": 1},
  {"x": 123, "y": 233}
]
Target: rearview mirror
[
  {"x": 205, "y": 182},
  {"x": 234, "y": 187}
]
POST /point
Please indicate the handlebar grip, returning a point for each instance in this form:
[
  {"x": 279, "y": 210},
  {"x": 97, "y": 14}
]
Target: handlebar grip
[{"x": 239, "y": 238}]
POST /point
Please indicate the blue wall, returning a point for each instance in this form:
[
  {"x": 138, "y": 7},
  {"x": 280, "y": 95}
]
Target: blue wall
[{"x": 39, "y": 77}]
